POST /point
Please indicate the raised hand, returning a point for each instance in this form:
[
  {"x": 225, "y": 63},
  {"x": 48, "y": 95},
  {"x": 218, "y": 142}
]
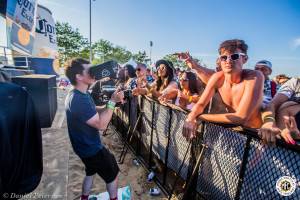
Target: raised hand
[
  {"x": 291, "y": 131},
  {"x": 183, "y": 55},
  {"x": 189, "y": 129},
  {"x": 269, "y": 132},
  {"x": 118, "y": 96}
]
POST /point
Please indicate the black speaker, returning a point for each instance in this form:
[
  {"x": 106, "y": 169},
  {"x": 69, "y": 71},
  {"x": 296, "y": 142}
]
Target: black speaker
[{"x": 42, "y": 89}]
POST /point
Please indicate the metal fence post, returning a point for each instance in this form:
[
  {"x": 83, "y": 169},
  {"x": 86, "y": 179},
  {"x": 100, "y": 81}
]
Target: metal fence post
[
  {"x": 243, "y": 168},
  {"x": 167, "y": 148},
  {"x": 151, "y": 139}
]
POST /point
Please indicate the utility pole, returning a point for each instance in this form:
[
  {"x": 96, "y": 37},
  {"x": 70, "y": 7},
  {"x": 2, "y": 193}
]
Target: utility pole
[
  {"x": 151, "y": 44},
  {"x": 91, "y": 31}
]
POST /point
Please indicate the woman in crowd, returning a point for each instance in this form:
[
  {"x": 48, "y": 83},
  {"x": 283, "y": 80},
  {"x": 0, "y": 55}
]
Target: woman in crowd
[
  {"x": 121, "y": 78},
  {"x": 130, "y": 76},
  {"x": 164, "y": 83},
  {"x": 187, "y": 95}
]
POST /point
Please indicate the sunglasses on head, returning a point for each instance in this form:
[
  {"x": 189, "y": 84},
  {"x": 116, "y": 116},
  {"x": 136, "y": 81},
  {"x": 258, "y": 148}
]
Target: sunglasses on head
[{"x": 233, "y": 57}]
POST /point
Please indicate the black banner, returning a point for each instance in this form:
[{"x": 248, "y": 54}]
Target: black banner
[
  {"x": 107, "y": 69},
  {"x": 3, "y": 4}
]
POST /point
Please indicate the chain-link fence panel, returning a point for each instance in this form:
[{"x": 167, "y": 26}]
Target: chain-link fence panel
[
  {"x": 133, "y": 111},
  {"x": 161, "y": 124},
  {"x": 219, "y": 171},
  {"x": 265, "y": 166},
  {"x": 178, "y": 145},
  {"x": 145, "y": 130},
  {"x": 125, "y": 114}
]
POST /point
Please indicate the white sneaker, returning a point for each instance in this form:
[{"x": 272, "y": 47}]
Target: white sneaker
[
  {"x": 154, "y": 192},
  {"x": 150, "y": 176}
]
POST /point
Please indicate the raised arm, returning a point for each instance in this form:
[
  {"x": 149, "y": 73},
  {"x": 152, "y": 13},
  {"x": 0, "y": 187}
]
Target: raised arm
[{"x": 202, "y": 72}]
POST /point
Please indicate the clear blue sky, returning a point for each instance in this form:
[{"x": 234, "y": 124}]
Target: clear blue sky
[{"x": 271, "y": 28}]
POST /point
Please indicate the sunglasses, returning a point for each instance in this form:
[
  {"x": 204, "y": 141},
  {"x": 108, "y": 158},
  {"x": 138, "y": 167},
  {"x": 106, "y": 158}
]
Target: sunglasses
[
  {"x": 233, "y": 57},
  {"x": 261, "y": 68},
  {"x": 138, "y": 69}
]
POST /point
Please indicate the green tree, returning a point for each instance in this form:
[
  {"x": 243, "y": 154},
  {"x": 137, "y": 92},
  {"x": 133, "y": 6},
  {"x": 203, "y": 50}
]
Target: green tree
[
  {"x": 141, "y": 57},
  {"x": 70, "y": 42},
  {"x": 105, "y": 50},
  {"x": 176, "y": 62}
]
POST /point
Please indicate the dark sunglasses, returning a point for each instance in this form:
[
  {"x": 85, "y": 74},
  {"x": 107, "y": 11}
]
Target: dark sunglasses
[
  {"x": 233, "y": 57},
  {"x": 138, "y": 69}
]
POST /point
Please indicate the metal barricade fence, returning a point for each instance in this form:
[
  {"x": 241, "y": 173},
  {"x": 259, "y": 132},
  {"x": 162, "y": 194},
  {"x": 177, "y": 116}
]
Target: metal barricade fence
[
  {"x": 219, "y": 171},
  {"x": 233, "y": 165}
]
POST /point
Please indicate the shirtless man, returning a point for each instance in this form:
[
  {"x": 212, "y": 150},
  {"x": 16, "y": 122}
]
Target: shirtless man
[{"x": 241, "y": 91}]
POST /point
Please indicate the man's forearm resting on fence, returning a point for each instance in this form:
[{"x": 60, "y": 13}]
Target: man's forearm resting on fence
[
  {"x": 227, "y": 118},
  {"x": 269, "y": 129}
]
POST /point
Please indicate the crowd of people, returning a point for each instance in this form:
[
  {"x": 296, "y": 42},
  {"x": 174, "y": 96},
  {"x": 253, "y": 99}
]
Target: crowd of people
[{"x": 250, "y": 97}]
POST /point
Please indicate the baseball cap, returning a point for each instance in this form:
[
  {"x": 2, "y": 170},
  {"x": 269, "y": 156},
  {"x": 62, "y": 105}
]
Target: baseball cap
[{"x": 265, "y": 63}]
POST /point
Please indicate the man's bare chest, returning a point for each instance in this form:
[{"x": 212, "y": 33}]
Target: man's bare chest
[{"x": 232, "y": 94}]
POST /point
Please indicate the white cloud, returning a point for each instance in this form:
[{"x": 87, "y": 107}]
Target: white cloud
[{"x": 296, "y": 43}]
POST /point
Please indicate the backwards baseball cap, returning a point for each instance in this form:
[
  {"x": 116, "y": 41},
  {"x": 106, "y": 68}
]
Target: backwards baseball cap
[{"x": 265, "y": 63}]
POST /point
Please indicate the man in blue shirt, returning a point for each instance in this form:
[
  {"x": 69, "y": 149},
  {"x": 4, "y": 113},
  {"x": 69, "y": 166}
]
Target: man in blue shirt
[{"x": 84, "y": 124}]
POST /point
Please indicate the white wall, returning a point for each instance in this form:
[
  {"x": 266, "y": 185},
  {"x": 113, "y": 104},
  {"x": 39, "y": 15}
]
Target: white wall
[{"x": 3, "y": 41}]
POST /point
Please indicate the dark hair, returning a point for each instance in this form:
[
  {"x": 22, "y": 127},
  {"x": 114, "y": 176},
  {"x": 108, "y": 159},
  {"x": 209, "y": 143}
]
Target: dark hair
[
  {"x": 121, "y": 76},
  {"x": 192, "y": 82},
  {"x": 73, "y": 67},
  {"x": 131, "y": 71},
  {"x": 283, "y": 76},
  {"x": 170, "y": 73},
  {"x": 233, "y": 45}
]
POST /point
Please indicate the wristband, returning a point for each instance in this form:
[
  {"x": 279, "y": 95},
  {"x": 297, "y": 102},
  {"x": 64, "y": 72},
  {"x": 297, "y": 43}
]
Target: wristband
[
  {"x": 111, "y": 105},
  {"x": 151, "y": 90},
  {"x": 269, "y": 119}
]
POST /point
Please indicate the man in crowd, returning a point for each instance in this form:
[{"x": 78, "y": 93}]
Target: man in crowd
[
  {"x": 280, "y": 79},
  {"x": 84, "y": 124},
  {"x": 282, "y": 115},
  {"x": 241, "y": 90},
  {"x": 269, "y": 85},
  {"x": 142, "y": 77}
]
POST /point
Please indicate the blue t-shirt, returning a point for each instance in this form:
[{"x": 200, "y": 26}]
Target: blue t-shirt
[{"x": 84, "y": 138}]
